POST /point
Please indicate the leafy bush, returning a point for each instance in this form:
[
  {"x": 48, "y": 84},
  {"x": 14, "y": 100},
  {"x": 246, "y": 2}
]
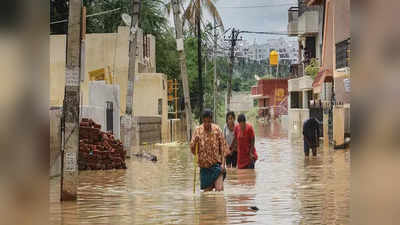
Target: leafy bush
[{"x": 313, "y": 68}]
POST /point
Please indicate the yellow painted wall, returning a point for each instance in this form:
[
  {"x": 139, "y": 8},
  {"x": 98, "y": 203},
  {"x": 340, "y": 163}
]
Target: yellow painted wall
[
  {"x": 102, "y": 50},
  {"x": 338, "y": 125},
  {"x": 57, "y": 69},
  {"x": 149, "y": 87}
]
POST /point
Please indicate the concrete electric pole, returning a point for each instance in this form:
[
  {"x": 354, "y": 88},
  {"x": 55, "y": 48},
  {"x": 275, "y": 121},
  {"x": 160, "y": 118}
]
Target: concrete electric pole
[
  {"x": 128, "y": 117},
  {"x": 199, "y": 62},
  {"x": 182, "y": 60},
  {"x": 215, "y": 71},
  {"x": 233, "y": 39},
  {"x": 70, "y": 124}
]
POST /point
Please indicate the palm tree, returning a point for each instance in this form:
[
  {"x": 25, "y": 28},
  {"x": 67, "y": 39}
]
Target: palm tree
[{"x": 193, "y": 14}]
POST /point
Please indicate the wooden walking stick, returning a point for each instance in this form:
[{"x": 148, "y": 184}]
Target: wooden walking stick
[{"x": 195, "y": 167}]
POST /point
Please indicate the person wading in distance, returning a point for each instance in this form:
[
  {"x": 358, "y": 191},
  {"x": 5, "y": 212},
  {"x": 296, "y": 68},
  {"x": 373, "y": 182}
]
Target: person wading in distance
[{"x": 311, "y": 137}]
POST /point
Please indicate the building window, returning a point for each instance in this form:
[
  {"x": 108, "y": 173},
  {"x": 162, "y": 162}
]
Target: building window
[
  {"x": 309, "y": 97},
  {"x": 310, "y": 48},
  {"x": 296, "y": 100},
  {"x": 343, "y": 54},
  {"x": 160, "y": 106}
]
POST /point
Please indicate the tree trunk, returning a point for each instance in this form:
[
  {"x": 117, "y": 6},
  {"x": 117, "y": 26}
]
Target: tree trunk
[
  {"x": 69, "y": 177},
  {"x": 182, "y": 60}
]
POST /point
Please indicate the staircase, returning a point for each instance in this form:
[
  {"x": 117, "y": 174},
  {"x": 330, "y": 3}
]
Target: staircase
[{"x": 282, "y": 107}]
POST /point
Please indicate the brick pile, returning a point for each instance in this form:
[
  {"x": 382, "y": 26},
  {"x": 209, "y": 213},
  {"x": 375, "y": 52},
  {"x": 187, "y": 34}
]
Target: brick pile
[{"x": 99, "y": 150}]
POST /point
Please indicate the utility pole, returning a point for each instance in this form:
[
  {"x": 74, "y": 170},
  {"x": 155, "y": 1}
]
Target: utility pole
[
  {"x": 70, "y": 122},
  {"x": 201, "y": 97},
  {"x": 215, "y": 71},
  {"x": 182, "y": 60},
  {"x": 277, "y": 69},
  {"x": 233, "y": 39},
  {"x": 128, "y": 118}
]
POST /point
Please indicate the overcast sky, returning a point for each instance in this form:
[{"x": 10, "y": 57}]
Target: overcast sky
[{"x": 267, "y": 15}]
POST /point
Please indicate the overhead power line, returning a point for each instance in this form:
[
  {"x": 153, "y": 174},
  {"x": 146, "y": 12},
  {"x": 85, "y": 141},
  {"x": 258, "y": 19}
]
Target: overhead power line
[
  {"x": 264, "y": 32},
  {"x": 88, "y": 16},
  {"x": 258, "y": 6}
]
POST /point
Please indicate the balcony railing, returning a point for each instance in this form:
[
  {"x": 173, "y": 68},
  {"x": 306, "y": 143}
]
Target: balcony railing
[
  {"x": 293, "y": 19},
  {"x": 296, "y": 70},
  {"x": 293, "y": 14}
]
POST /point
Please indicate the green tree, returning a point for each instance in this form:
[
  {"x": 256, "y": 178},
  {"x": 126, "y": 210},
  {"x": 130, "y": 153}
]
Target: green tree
[
  {"x": 312, "y": 69},
  {"x": 152, "y": 19},
  {"x": 194, "y": 15}
]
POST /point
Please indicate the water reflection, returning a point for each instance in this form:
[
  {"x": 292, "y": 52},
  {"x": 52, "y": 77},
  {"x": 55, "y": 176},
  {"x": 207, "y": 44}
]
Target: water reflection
[{"x": 286, "y": 188}]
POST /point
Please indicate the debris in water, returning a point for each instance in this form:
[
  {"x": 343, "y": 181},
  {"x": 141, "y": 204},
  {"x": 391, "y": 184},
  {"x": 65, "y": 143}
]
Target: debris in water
[
  {"x": 147, "y": 156},
  {"x": 255, "y": 208}
]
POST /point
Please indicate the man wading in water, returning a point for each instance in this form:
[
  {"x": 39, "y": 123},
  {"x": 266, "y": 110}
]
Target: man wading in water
[
  {"x": 311, "y": 136},
  {"x": 212, "y": 150}
]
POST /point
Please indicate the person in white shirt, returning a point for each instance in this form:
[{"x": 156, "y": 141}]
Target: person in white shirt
[{"x": 229, "y": 134}]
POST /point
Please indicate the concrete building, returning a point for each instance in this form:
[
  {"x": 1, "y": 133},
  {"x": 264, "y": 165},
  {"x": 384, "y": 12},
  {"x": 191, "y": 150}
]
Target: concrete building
[
  {"x": 306, "y": 22},
  {"x": 287, "y": 49},
  {"x": 300, "y": 94},
  {"x": 151, "y": 99},
  {"x": 241, "y": 102},
  {"x": 103, "y": 106},
  {"x": 332, "y": 85},
  {"x": 327, "y": 23},
  {"x": 106, "y": 102},
  {"x": 108, "y": 50}
]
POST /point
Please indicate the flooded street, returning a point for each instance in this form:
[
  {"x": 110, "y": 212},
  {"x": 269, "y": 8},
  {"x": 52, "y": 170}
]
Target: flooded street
[{"x": 285, "y": 187}]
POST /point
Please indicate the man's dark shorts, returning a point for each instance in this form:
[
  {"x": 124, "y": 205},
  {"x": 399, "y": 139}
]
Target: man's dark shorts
[
  {"x": 231, "y": 160},
  {"x": 209, "y": 175},
  {"x": 307, "y": 149}
]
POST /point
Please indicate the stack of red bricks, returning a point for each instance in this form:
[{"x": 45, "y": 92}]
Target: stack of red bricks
[{"x": 99, "y": 150}]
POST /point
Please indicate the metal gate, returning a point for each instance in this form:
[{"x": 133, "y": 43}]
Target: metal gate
[
  {"x": 317, "y": 112},
  {"x": 109, "y": 116},
  {"x": 330, "y": 114}
]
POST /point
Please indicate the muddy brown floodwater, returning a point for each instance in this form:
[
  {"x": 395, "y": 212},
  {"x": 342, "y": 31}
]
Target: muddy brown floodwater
[{"x": 286, "y": 188}]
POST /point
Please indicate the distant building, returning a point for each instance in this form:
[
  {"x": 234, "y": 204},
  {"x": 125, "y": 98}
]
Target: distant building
[
  {"x": 271, "y": 96},
  {"x": 241, "y": 102},
  {"x": 287, "y": 49}
]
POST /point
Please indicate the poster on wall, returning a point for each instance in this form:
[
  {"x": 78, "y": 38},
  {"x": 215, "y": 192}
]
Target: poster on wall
[{"x": 347, "y": 84}]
